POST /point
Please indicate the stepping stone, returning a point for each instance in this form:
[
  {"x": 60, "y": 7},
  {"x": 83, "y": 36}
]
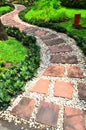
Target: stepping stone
[
  {"x": 82, "y": 91},
  {"x": 41, "y": 86},
  {"x": 47, "y": 114},
  {"x": 74, "y": 119},
  {"x": 40, "y": 33},
  {"x": 30, "y": 30},
  {"x": 56, "y": 41},
  {"x": 63, "y": 89},
  {"x": 24, "y": 108},
  {"x": 75, "y": 72},
  {"x": 56, "y": 70},
  {"x": 48, "y": 37},
  {"x": 63, "y": 48},
  {"x": 64, "y": 59}
]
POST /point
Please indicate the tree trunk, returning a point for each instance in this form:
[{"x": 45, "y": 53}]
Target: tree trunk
[
  {"x": 0, "y": 2},
  {"x": 3, "y": 34}
]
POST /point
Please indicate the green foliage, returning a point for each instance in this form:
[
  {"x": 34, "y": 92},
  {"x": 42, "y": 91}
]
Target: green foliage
[
  {"x": 4, "y": 9},
  {"x": 60, "y": 20},
  {"x": 74, "y": 3},
  {"x": 45, "y": 10},
  {"x": 12, "y": 51},
  {"x": 13, "y": 81},
  {"x": 2, "y": 63}
]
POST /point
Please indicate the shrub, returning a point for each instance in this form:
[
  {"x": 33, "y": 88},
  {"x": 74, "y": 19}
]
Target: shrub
[{"x": 74, "y": 3}]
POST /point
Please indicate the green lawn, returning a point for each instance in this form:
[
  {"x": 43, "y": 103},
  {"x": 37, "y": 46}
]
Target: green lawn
[
  {"x": 68, "y": 25},
  {"x": 4, "y": 9},
  {"x": 12, "y": 51}
]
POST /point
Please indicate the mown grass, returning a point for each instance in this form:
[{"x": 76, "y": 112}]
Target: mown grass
[
  {"x": 68, "y": 25},
  {"x": 5, "y": 9},
  {"x": 12, "y": 51}
]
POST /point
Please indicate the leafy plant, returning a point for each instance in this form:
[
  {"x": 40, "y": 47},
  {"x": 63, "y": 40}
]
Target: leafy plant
[
  {"x": 13, "y": 81},
  {"x": 6, "y": 8}
]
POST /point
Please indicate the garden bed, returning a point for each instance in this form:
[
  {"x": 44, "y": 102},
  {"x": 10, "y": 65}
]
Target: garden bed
[{"x": 13, "y": 81}]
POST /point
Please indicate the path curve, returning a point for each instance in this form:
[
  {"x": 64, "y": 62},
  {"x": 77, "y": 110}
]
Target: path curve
[{"x": 56, "y": 98}]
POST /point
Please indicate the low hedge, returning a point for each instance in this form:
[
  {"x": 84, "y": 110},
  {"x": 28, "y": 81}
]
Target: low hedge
[{"x": 13, "y": 81}]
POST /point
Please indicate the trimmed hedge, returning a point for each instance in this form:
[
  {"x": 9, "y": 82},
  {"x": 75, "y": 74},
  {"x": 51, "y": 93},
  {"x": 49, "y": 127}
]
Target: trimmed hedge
[{"x": 13, "y": 81}]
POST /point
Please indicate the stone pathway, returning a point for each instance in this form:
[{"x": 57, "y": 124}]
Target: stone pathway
[{"x": 56, "y": 98}]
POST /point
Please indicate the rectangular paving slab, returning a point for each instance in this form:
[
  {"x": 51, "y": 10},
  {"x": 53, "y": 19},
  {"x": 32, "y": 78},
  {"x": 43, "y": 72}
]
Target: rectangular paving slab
[
  {"x": 48, "y": 37},
  {"x": 68, "y": 59},
  {"x": 47, "y": 114},
  {"x": 56, "y": 41},
  {"x": 62, "y": 48}
]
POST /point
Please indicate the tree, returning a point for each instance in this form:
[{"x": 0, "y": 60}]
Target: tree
[{"x": 3, "y": 34}]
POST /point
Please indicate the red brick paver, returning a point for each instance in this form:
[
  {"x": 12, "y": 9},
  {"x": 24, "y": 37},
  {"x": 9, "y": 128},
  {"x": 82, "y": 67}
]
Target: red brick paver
[
  {"x": 41, "y": 86},
  {"x": 47, "y": 114},
  {"x": 55, "y": 70},
  {"x": 24, "y": 108},
  {"x": 74, "y": 119},
  {"x": 75, "y": 72},
  {"x": 63, "y": 89}
]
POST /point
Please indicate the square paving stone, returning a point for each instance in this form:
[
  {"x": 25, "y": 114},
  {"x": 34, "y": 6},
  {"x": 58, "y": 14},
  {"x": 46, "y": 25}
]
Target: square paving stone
[
  {"x": 41, "y": 86},
  {"x": 63, "y": 89},
  {"x": 75, "y": 72},
  {"x": 55, "y": 70},
  {"x": 24, "y": 108},
  {"x": 47, "y": 114},
  {"x": 74, "y": 119}
]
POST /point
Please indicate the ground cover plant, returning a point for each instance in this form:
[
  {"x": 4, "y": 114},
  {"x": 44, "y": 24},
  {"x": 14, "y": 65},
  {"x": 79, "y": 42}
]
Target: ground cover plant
[
  {"x": 13, "y": 81},
  {"x": 52, "y": 15},
  {"x": 12, "y": 51}
]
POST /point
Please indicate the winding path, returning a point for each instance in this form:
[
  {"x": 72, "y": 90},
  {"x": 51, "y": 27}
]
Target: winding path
[{"x": 56, "y": 98}]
